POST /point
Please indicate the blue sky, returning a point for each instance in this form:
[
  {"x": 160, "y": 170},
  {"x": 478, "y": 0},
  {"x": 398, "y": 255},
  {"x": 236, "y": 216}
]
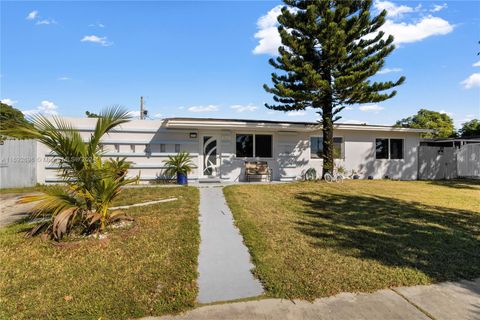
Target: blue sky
[{"x": 209, "y": 59}]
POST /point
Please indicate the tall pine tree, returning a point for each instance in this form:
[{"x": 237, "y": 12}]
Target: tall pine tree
[{"x": 329, "y": 51}]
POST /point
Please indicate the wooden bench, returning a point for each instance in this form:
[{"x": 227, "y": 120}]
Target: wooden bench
[{"x": 257, "y": 170}]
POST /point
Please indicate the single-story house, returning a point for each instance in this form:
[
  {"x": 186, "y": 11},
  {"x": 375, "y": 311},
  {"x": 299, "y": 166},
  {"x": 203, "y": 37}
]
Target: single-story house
[{"x": 220, "y": 147}]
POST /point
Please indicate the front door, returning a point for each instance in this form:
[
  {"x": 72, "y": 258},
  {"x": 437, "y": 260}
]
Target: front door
[{"x": 210, "y": 156}]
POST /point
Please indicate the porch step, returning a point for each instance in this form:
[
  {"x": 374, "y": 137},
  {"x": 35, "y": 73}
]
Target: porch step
[{"x": 209, "y": 180}]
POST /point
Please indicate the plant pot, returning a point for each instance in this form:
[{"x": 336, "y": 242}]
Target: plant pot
[{"x": 182, "y": 179}]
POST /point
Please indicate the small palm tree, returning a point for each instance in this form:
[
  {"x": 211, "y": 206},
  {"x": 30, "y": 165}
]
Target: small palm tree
[
  {"x": 179, "y": 164},
  {"x": 91, "y": 183}
]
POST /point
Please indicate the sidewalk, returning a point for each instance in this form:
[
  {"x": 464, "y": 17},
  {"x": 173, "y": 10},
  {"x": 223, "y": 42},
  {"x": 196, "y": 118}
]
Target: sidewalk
[{"x": 444, "y": 301}]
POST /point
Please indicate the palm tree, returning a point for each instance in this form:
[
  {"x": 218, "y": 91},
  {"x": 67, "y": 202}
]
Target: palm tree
[
  {"x": 179, "y": 164},
  {"x": 91, "y": 183}
]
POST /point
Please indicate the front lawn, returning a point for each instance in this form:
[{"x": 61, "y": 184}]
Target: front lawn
[
  {"x": 37, "y": 188},
  {"x": 149, "y": 269},
  {"x": 313, "y": 239}
]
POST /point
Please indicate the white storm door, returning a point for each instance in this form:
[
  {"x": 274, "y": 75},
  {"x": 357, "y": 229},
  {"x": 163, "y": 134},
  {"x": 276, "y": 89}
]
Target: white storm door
[{"x": 210, "y": 156}]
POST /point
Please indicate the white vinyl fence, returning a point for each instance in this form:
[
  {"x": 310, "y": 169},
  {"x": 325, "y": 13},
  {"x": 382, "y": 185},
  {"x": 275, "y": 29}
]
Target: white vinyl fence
[
  {"x": 18, "y": 163},
  {"x": 449, "y": 162},
  {"x": 468, "y": 160},
  {"x": 436, "y": 163}
]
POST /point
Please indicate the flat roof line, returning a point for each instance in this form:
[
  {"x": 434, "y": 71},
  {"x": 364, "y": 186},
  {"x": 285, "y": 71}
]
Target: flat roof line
[{"x": 287, "y": 122}]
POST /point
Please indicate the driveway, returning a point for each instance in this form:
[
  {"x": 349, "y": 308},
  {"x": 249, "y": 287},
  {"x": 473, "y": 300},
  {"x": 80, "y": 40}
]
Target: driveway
[{"x": 10, "y": 210}]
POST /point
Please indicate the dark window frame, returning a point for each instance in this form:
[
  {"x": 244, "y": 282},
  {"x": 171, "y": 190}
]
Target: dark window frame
[
  {"x": 254, "y": 142},
  {"x": 402, "y": 145},
  {"x": 342, "y": 147},
  {"x": 385, "y": 154},
  {"x": 389, "y": 149}
]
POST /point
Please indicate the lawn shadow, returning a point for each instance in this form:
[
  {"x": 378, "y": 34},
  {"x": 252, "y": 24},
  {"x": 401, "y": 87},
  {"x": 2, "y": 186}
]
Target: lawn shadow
[
  {"x": 470, "y": 184},
  {"x": 440, "y": 242}
]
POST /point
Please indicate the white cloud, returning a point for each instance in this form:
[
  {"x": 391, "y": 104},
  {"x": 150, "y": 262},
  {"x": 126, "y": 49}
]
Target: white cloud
[
  {"x": 157, "y": 115},
  {"x": 96, "y": 39},
  {"x": 392, "y": 9},
  {"x": 446, "y": 112},
  {"x": 472, "y": 81},
  {"x": 476, "y": 64},
  {"x": 63, "y": 78},
  {"x": 438, "y": 7},
  {"x": 460, "y": 122},
  {"x": 371, "y": 107},
  {"x": 32, "y": 15},
  {"x": 134, "y": 114},
  {"x": 243, "y": 108},
  {"x": 199, "y": 109},
  {"x": 403, "y": 32},
  {"x": 296, "y": 113},
  {"x": 349, "y": 108},
  {"x": 45, "y": 107},
  {"x": 412, "y": 32},
  {"x": 46, "y": 22},
  {"x": 99, "y": 25},
  {"x": 269, "y": 39},
  {"x": 352, "y": 121},
  {"x": 8, "y": 101},
  {"x": 389, "y": 70}
]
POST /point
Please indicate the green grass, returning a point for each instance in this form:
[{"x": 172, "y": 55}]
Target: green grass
[
  {"x": 37, "y": 188},
  {"x": 310, "y": 240},
  {"x": 150, "y": 269}
]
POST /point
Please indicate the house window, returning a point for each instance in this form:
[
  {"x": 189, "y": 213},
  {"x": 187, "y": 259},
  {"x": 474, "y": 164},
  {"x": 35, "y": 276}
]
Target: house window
[
  {"x": 396, "y": 148},
  {"x": 389, "y": 148},
  {"x": 244, "y": 145},
  {"x": 162, "y": 147},
  {"x": 263, "y": 145},
  {"x": 316, "y": 147},
  {"x": 177, "y": 148},
  {"x": 381, "y": 148},
  {"x": 258, "y": 145}
]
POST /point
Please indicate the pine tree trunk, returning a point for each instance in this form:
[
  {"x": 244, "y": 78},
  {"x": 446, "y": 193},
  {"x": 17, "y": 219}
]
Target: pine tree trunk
[{"x": 327, "y": 129}]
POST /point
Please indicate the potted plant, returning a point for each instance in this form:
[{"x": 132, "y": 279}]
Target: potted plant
[{"x": 179, "y": 165}]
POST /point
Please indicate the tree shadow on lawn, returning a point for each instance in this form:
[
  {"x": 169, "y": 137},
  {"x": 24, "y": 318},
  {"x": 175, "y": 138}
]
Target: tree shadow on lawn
[
  {"x": 470, "y": 184},
  {"x": 442, "y": 243}
]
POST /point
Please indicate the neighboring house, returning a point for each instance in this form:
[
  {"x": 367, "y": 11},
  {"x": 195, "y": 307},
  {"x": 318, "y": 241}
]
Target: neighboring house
[{"x": 220, "y": 147}]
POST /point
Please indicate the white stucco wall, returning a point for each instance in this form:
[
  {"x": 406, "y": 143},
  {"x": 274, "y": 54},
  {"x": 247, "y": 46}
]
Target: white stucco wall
[
  {"x": 359, "y": 155},
  {"x": 136, "y": 133},
  {"x": 290, "y": 158}
]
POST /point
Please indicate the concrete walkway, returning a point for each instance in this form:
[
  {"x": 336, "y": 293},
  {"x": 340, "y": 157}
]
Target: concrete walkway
[
  {"x": 445, "y": 301},
  {"x": 224, "y": 261}
]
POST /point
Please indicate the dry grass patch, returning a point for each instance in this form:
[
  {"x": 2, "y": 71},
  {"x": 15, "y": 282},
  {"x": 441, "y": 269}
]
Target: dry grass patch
[
  {"x": 150, "y": 269},
  {"x": 310, "y": 240}
]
